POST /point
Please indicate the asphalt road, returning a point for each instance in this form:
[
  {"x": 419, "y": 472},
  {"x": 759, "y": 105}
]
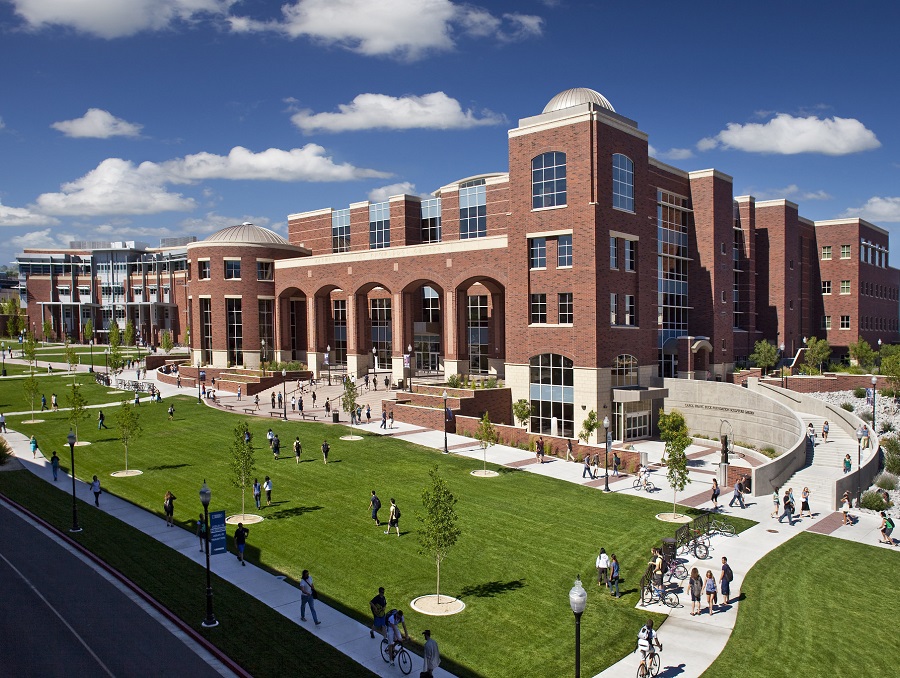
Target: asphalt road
[{"x": 60, "y": 617}]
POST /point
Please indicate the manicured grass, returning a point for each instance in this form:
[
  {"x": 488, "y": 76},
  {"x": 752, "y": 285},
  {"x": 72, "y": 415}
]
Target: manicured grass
[
  {"x": 12, "y": 394},
  {"x": 247, "y": 626},
  {"x": 524, "y": 537},
  {"x": 815, "y": 606}
]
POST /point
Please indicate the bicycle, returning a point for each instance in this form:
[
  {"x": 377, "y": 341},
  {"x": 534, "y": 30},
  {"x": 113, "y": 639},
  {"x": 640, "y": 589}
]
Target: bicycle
[
  {"x": 675, "y": 569},
  {"x": 721, "y": 527},
  {"x": 639, "y": 484},
  {"x": 653, "y": 668},
  {"x": 698, "y": 544},
  {"x": 652, "y": 594},
  {"x": 401, "y": 656}
]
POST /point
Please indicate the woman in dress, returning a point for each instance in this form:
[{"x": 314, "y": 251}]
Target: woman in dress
[
  {"x": 805, "y": 505},
  {"x": 710, "y": 590},
  {"x": 695, "y": 584},
  {"x": 825, "y": 429}
]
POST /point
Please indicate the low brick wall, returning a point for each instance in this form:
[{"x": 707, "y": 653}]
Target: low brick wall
[
  {"x": 827, "y": 383},
  {"x": 248, "y": 388}
]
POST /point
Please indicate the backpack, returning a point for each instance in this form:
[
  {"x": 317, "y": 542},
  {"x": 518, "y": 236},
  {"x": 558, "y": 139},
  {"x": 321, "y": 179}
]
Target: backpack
[
  {"x": 729, "y": 574},
  {"x": 397, "y": 512},
  {"x": 390, "y": 615},
  {"x": 889, "y": 523},
  {"x": 376, "y": 503},
  {"x": 645, "y": 634}
]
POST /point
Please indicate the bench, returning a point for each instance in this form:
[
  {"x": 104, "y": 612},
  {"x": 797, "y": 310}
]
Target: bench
[
  {"x": 249, "y": 410},
  {"x": 312, "y": 416},
  {"x": 227, "y": 407},
  {"x": 276, "y": 413}
]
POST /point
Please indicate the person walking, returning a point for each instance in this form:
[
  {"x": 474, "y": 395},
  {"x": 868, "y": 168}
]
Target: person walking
[
  {"x": 270, "y": 437},
  {"x": 34, "y": 446},
  {"x": 383, "y": 418},
  {"x": 54, "y": 403},
  {"x": 597, "y": 465},
  {"x": 256, "y": 400},
  {"x": 393, "y": 518},
  {"x": 298, "y": 449},
  {"x": 776, "y": 501},
  {"x": 239, "y": 394},
  {"x": 811, "y": 434},
  {"x": 378, "y": 606},
  {"x": 710, "y": 589},
  {"x": 257, "y": 491},
  {"x": 95, "y": 488},
  {"x": 715, "y": 495},
  {"x": 293, "y": 403},
  {"x": 276, "y": 447},
  {"x": 273, "y": 400},
  {"x": 391, "y": 417},
  {"x": 614, "y": 576},
  {"x": 313, "y": 396},
  {"x": 825, "y": 429},
  {"x": 307, "y": 595},
  {"x": 788, "y": 508},
  {"x": 368, "y": 414},
  {"x": 43, "y": 402},
  {"x": 804, "y": 506},
  {"x": 300, "y": 405},
  {"x": 171, "y": 412},
  {"x": 240, "y": 541},
  {"x": 616, "y": 463},
  {"x": 569, "y": 455},
  {"x": 725, "y": 580},
  {"x": 432, "y": 655},
  {"x": 886, "y": 527},
  {"x": 845, "y": 509},
  {"x": 201, "y": 530},
  {"x": 101, "y": 420},
  {"x": 587, "y": 467},
  {"x": 280, "y": 400},
  {"x": 169, "y": 508},
  {"x": 267, "y": 486},
  {"x": 3, "y": 423},
  {"x": 54, "y": 465},
  {"x": 178, "y": 381},
  {"x": 603, "y": 568},
  {"x": 847, "y": 463},
  {"x": 326, "y": 448},
  {"x": 327, "y": 407},
  {"x": 539, "y": 450},
  {"x": 374, "y": 506},
  {"x": 738, "y": 494},
  {"x": 695, "y": 585}
]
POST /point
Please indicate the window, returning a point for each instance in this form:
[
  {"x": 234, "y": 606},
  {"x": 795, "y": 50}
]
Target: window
[
  {"x": 478, "y": 327},
  {"x": 538, "y": 309},
  {"x": 623, "y": 182},
  {"x": 537, "y": 252},
  {"x": 339, "y": 316},
  {"x": 624, "y": 371},
  {"x": 203, "y": 269},
  {"x": 845, "y": 287},
  {"x": 472, "y": 209},
  {"x": 379, "y": 225},
  {"x": 138, "y": 292},
  {"x": 630, "y": 255},
  {"x": 845, "y": 251},
  {"x": 613, "y": 308},
  {"x": 613, "y": 253},
  {"x": 431, "y": 305},
  {"x": 340, "y": 231},
  {"x": 84, "y": 291},
  {"x": 234, "y": 330},
  {"x": 381, "y": 330},
  {"x": 826, "y": 252},
  {"x": 630, "y": 310},
  {"x": 565, "y": 307},
  {"x": 206, "y": 331},
  {"x": 564, "y": 251},
  {"x": 431, "y": 220},
  {"x": 267, "y": 328},
  {"x": 232, "y": 269},
  {"x": 548, "y": 180},
  {"x": 845, "y": 322},
  {"x": 63, "y": 290},
  {"x": 265, "y": 270},
  {"x": 826, "y": 287},
  {"x": 826, "y": 322},
  {"x": 552, "y": 395}
]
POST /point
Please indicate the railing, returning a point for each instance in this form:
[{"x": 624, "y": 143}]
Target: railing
[{"x": 685, "y": 533}]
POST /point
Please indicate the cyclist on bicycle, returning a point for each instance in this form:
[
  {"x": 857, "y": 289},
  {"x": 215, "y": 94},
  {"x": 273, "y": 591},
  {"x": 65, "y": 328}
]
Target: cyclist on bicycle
[
  {"x": 394, "y": 618},
  {"x": 647, "y": 637},
  {"x": 645, "y": 477}
]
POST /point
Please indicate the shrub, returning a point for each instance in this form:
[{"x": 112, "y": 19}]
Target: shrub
[
  {"x": 891, "y": 447},
  {"x": 769, "y": 452},
  {"x": 491, "y": 382},
  {"x": 887, "y": 427},
  {"x": 866, "y": 415},
  {"x": 454, "y": 381},
  {"x": 886, "y": 481},
  {"x": 859, "y": 392},
  {"x": 888, "y": 393},
  {"x": 873, "y": 501},
  {"x": 6, "y": 453},
  {"x": 848, "y": 406}
]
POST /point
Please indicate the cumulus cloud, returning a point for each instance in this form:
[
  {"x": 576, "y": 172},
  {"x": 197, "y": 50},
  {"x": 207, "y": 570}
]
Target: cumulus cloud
[
  {"x": 385, "y": 192},
  {"x": 792, "y": 192},
  {"x": 21, "y": 216},
  {"x": 380, "y": 111},
  {"x": 401, "y": 28},
  {"x": 119, "y": 186},
  {"x": 97, "y": 124},
  {"x": 43, "y": 239},
  {"x": 671, "y": 154},
  {"x": 116, "y": 18},
  {"x": 788, "y": 135},
  {"x": 212, "y": 222},
  {"x": 877, "y": 209}
]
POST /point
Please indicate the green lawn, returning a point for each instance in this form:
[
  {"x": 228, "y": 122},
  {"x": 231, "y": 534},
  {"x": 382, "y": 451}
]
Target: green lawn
[
  {"x": 524, "y": 537},
  {"x": 12, "y": 393},
  {"x": 817, "y": 606}
]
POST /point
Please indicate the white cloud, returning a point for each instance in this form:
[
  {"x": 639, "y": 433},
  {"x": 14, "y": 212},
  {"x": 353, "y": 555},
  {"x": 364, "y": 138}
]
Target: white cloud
[
  {"x": 385, "y": 192},
  {"x": 671, "y": 154},
  {"x": 401, "y": 28},
  {"x": 212, "y": 222},
  {"x": 116, "y": 18},
  {"x": 97, "y": 124},
  {"x": 792, "y": 192},
  {"x": 20, "y": 216},
  {"x": 877, "y": 209},
  {"x": 380, "y": 111},
  {"x": 44, "y": 239},
  {"x": 787, "y": 135}
]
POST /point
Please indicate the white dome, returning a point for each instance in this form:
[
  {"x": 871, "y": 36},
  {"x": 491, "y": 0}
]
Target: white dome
[
  {"x": 248, "y": 233},
  {"x": 576, "y": 96}
]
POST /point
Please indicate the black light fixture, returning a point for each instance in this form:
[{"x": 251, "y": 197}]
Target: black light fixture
[
  {"x": 284, "y": 390},
  {"x": 606, "y": 455},
  {"x": 71, "y": 440},
  {"x": 328, "y": 356},
  {"x": 874, "y": 390},
  {"x": 577, "y": 601},
  {"x": 446, "y": 451},
  {"x": 205, "y": 497},
  {"x": 199, "y": 399},
  {"x": 409, "y": 352}
]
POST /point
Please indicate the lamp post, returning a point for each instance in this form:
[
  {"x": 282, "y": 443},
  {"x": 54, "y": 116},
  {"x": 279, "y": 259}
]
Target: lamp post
[
  {"x": 874, "y": 390},
  {"x": 577, "y": 601},
  {"x": 263, "y": 342},
  {"x": 606, "y": 455},
  {"x": 71, "y": 440},
  {"x": 375, "y": 365},
  {"x": 91, "y": 368},
  {"x": 879, "y": 356},
  {"x": 328, "y": 357},
  {"x": 859, "y": 437},
  {"x": 199, "y": 399},
  {"x": 409, "y": 352},
  {"x": 446, "y": 451},
  {"x": 781, "y": 365},
  {"x": 4, "y": 359},
  {"x": 205, "y": 496},
  {"x": 284, "y": 390},
  {"x": 106, "y": 362}
]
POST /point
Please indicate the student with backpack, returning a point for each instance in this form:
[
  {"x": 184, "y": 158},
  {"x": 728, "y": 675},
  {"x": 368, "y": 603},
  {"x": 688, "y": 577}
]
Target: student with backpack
[
  {"x": 375, "y": 505},
  {"x": 887, "y": 526},
  {"x": 725, "y": 579},
  {"x": 393, "y": 518},
  {"x": 647, "y": 638}
]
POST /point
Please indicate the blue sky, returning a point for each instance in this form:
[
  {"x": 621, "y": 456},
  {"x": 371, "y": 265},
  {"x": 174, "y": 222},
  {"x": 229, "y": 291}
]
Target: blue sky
[{"x": 142, "y": 119}]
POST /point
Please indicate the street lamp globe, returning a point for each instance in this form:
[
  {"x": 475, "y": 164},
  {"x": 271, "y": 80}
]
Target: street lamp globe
[
  {"x": 605, "y": 422},
  {"x": 577, "y": 596},
  {"x": 70, "y": 438},
  {"x": 205, "y": 494}
]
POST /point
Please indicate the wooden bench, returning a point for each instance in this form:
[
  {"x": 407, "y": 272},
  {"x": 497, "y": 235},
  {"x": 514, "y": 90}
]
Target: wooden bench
[
  {"x": 249, "y": 410},
  {"x": 276, "y": 413},
  {"x": 310, "y": 415},
  {"x": 228, "y": 407}
]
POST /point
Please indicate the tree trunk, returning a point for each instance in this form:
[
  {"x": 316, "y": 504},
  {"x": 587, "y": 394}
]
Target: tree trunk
[
  {"x": 242, "y": 500},
  {"x": 438, "y": 561},
  {"x": 126, "y": 456},
  {"x": 674, "y": 498}
]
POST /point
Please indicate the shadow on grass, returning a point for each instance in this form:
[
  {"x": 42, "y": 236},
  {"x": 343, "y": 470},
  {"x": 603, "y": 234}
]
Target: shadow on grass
[
  {"x": 166, "y": 467},
  {"x": 492, "y": 588},
  {"x": 284, "y": 514},
  {"x": 505, "y": 469}
]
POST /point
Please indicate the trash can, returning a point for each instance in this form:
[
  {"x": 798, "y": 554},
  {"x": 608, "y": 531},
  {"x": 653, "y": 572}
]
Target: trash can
[
  {"x": 645, "y": 458},
  {"x": 668, "y": 549},
  {"x": 335, "y": 417}
]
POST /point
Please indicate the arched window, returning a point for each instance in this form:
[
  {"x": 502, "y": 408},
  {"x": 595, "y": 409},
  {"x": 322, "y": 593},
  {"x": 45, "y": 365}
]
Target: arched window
[
  {"x": 548, "y": 180},
  {"x": 625, "y": 371},
  {"x": 623, "y": 182},
  {"x": 552, "y": 395}
]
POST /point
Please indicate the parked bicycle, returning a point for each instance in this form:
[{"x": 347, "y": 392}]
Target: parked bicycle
[
  {"x": 721, "y": 527},
  {"x": 675, "y": 569},
  {"x": 401, "y": 656},
  {"x": 698, "y": 544},
  {"x": 651, "y": 593}
]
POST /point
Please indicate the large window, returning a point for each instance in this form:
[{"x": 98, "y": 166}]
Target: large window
[
  {"x": 381, "y": 330},
  {"x": 537, "y": 253},
  {"x": 478, "y": 333},
  {"x": 548, "y": 180},
  {"x": 623, "y": 182},
  {"x": 205, "y": 330},
  {"x": 203, "y": 269},
  {"x": 379, "y": 225},
  {"x": 266, "y": 328},
  {"x": 538, "y": 312},
  {"x": 472, "y": 209},
  {"x": 564, "y": 251},
  {"x": 674, "y": 218},
  {"x": 339, "y": 318},
  {"x": 826, "y": 287},
  {"x": 552, "y": 395},
  {"x": 265, "y": 270},
  {"x": 234, "y": 331},
  {"x": 566, "y": 308},
  {"x": 340, "y": 230},
  {"x": 431, "y": 220},
  {"x": 625, "y": 371},
  {"x": 232, "y": 269}
]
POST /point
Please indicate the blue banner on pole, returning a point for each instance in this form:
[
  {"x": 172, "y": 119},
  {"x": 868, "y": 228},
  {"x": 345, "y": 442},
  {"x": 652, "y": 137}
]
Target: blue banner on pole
[
  {"x": 217, "y": 532},
  {"x": 608, "y": 442}
]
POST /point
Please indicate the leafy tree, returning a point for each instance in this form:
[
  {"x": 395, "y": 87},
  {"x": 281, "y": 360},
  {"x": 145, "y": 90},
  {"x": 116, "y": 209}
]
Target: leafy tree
[
  {"x": 348, "y": 399},
  {"x": 77, "y": 408},
  {"x": 863, "y": 354},
  {"x": 71, "y": 358},
  {"x": 88, "y": 330},
  {"x": 890, "y": 368},
  {"x": 588, "y": 427},
  {"x": 128, "y": 335},
  {"x": 30, "y": 386},
  {"x": 29, "y": 350},
  {"x": 187, "y": 335},
  {"x": 47, "y": 327},
  {"x": 486, "y": 435},
  {"x": 818, "y": 351},
  {"x": 116, "y": 361},
  {"x": 522, "y": 411},
  {"x": 128, "y": 422},
  {"x": 439, "y": 529},
  {"x": 674, "y": 432},
  {"x": 12, "y": 308},
  {"x": 166, "y": 341},
  {"x": 764, "y": 355},
  {"x": 242, "y": 462}
]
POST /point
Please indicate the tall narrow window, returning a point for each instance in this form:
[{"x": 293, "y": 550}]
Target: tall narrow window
[
  {"x": 623, "y": 182},
  {"x": 564, "y": 251},
  {"x": 472, "y": 209},
  {"x": 613, "y": 253},
  {"x": 478, "y": 333},
  {"x": 379, "y": 225},
  {"x": 613, "y": 308},
  {"x": 537, "y": 252},
  {"x": 538, "y": 313},
  {"x": 381, "y": 330},
  {"x": 565, "y": 307},
  {"x": 267, "y": 328},
  {"x": 630, "y": 310},
  {"x": 548, "y": 180},
  {"x": 630, "y": 255},
  {"x": 205, "y": 329},
  {"x": 234, "y": 331},
  {"x": 552, "y": 395},
  {"x": 340, "y": 230},
  {"x": 339, "y": 318},
  {"x": 203, "y": 269},
  {"x": 431, "y": 220}
]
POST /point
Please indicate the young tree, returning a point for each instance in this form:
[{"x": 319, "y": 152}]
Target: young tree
[
  {"x": 128, "y": 422},
  {"x": 47, "y": 327},
  {"x": 348, "y": 399},
  {"x": 890, "y": 368},
  {"x": 30, "y": 386},
  {"x": 71, "y": 358},
  {"x": 187, "y": 335},
  {"x": 863, "y": 354},
  {"x": 115, "y": 348},
  {"x": 12, "y": 309},
  {"x": 486, "y": 435},
  {"x": 588, "y": 427},
  {"x": 29, "y": 350},
  {"x": 77, "y": 408},
  {"x": 88, "y": 330},
  {"x": 818, "y": 351},
  {"x": 522, "y": 411},
  {"x": 242, "y": 461},
  {"x": 674, "y": 432},
  {"x": 128, "y": 335},
  {"x": 764, "y": 355},
  {"x": 439, "y": 529},
  {"x": 166, "y": 341}
]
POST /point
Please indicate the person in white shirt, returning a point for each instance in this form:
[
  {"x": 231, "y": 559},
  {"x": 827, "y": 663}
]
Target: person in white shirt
[
  {"x": 602, "y": 568},
  {"x": 432, "y": 656}
]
